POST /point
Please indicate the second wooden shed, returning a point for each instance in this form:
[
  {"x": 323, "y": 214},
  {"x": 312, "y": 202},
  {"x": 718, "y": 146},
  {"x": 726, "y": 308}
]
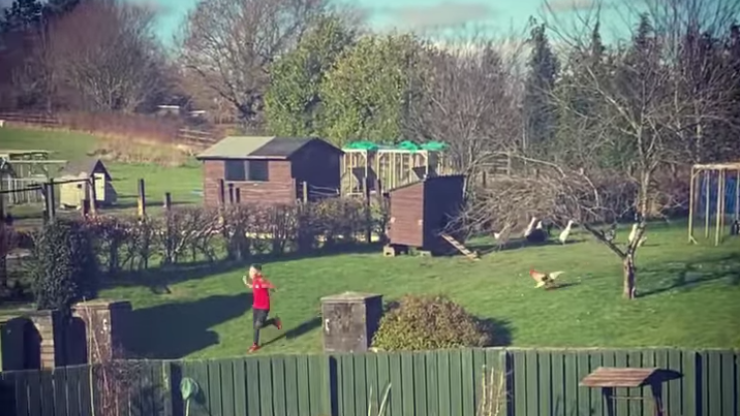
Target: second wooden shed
[{"x": 420, "y": 213}]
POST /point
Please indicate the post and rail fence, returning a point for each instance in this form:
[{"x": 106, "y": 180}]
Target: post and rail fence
[{"x": 435, "y": 383}]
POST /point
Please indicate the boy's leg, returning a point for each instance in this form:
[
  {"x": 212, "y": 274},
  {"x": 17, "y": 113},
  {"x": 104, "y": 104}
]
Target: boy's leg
[
  {"x": 258, "y": 321},
  {"x": 274, "y": 322}
]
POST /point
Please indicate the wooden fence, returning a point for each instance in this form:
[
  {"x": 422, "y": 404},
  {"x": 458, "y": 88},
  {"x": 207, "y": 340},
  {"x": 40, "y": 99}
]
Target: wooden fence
[{"x": 441, "y": 383}]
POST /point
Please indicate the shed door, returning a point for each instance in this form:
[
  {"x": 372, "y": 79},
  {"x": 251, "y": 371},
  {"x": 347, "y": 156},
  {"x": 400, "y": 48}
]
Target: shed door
[{"x": 99, "y": 186}]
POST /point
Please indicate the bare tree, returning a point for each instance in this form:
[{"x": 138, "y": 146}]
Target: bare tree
[
  {"x": 466, "y": 98},
  {"x": 230, "y": 44},
  {"x": 105, "y": 54},
  {"x": 560, "y": 194}
]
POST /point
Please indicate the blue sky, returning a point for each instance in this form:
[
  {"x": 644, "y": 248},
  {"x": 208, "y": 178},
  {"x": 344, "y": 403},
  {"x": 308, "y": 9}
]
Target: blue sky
[{"x": 500, "y": 17}]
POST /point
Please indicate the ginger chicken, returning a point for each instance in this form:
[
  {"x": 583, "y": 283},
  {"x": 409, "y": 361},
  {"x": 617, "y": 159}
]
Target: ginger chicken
[{"x": 544, "y": 279}]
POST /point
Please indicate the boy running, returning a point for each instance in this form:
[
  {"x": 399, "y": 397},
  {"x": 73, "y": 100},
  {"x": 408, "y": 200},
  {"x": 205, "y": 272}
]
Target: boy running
[{"x": 260, "y": 303}]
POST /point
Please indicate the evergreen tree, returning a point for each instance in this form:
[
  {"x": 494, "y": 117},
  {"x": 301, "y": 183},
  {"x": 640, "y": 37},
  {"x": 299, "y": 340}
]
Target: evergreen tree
[{"x": 539, "y": 112}]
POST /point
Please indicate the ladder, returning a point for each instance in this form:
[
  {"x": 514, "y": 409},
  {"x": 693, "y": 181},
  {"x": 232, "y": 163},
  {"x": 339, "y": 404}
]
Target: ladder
[{"x": 460, "y": 247}]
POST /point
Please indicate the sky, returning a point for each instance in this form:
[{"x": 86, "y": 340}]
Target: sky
[{"x": 498, "y": 16}]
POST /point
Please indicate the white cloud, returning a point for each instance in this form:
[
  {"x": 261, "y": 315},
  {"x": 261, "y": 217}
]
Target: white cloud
[
  {"x": 440, "y": 15},
  {"x": 565, "y": 6}
]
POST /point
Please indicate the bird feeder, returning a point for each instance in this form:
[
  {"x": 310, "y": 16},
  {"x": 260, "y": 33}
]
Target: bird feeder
[{"x": 610, "y": 378}]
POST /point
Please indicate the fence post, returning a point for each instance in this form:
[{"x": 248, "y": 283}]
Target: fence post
[
  {"x": 167, "y": 201},
  {"x": 93, "y": 197},
  {"x": 50, "y": 198},
  {"x": 221, "y": 193},
  {"x": 142, "y": 199},
  {"x": 237, "y": 195},
  {"x": 368, "y": 213},
  {"x": 305, "y": 192},
  {"x": 231, "y": 194}
]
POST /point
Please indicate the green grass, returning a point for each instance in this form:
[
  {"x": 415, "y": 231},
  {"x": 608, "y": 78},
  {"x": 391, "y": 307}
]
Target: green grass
[
  {"x": 688, "y": 297},
  {"x": 179, "y": 181}
]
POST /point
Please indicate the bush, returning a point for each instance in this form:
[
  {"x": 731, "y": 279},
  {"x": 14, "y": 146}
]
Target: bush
[
  {"x": 64, "y": 268},
  {"x": 428, "y": 323}
]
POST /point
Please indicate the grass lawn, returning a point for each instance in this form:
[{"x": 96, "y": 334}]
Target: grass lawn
[
  {"x": 182, "y": 182},
  {"x": 689, "y": 297}
]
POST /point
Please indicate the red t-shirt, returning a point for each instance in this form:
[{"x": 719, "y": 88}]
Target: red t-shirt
[{"x": 261, "y": 292}]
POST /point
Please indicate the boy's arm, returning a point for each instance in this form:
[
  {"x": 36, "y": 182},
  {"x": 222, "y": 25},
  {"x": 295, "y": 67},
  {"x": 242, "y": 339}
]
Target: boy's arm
[
  {"x": 265, "y": 284},
  {"x": 246, "y": 282}
]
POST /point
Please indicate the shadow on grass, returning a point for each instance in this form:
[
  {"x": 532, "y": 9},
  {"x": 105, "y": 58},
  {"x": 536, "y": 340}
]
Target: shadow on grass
[
  {"x": 297, "y": 331},
  {"x": 157, "y": 278},
  {"x": 686, "y": 276},
  {"x": 174, "y": 330},
  {"x": 499, "y": 329}
]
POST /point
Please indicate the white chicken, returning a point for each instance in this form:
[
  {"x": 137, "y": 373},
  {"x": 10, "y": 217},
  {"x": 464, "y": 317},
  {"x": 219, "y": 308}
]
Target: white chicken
[
  {"x": 566, "y": 232},
  {"x": 502, "y": 237},
  {"x": 530, "y": 227}
]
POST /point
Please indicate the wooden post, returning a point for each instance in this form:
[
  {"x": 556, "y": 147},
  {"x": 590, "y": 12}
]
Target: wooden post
[
  {"x": 93, "y": 196},
  {"x": 50, "y": 198},
  {"x": 718, "y": 220},
  {"x": 237, "y": 195},
  {"x": 142, "y": 199},
  {"x": 707, "y": 176},
  {"x": 2, "y": 204},
  {"x": 221, "y": 193},
  {"x": 737, "y": 195},
  {"x": 692, "y": 202},
  {"x": 368, "y": 212},
  {"x": 305, "y": 192},
  {"x": 167, "y": 201},
  {"x": 231, "y": 194}
]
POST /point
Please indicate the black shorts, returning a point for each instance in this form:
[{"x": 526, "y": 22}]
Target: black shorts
[{"x": 259, "y": 317}]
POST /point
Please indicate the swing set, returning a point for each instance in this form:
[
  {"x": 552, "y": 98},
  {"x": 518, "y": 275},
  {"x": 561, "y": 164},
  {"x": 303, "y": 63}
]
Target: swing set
[{"x": 711, "y": 180}]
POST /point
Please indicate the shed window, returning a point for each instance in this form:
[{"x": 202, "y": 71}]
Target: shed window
[
  {"x": 235, "y": 171},
  {"x": 257, "y": 170}
]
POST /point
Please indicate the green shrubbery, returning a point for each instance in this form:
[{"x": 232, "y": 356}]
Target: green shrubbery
[
  {"x": 428, "y": 323},
  {"x": 64, "y": 268}
]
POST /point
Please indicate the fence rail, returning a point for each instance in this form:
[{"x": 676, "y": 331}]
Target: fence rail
[
  {"x": 440, "y": 383},
  {"x": 197, "y": 137},
  {"x": 40, "y": 119}
]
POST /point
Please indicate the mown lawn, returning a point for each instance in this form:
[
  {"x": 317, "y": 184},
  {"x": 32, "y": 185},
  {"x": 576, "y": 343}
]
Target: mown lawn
[
  {"x": 689, "y": 296},
  {"x": 183, "y": 182}
]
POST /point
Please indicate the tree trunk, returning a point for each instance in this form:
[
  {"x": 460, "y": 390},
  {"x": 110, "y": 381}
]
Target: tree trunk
[{"x": 628, "y": 267}]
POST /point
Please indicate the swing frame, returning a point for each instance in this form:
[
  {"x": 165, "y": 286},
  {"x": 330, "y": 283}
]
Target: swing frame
[{"x": 701, "y": 175}]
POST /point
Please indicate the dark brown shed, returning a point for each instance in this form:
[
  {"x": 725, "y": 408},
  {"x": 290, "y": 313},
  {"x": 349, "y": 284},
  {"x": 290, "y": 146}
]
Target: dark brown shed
[
  {"x": 420, "y": 211},
  {"x": 270, "y": 170}
]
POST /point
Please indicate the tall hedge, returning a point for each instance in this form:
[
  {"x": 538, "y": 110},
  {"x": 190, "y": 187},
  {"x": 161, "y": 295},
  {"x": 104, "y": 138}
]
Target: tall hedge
[{"x": 64, "y": 267}]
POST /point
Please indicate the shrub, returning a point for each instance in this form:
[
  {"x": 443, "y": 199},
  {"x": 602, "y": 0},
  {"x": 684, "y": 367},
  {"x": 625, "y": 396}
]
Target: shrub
[
  {"x": 64, "y": 268},
  {"x": 427, "y": 323}
]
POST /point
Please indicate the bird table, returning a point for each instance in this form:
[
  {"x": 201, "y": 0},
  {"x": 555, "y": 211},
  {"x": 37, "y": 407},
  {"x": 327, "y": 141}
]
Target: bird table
[{"x": 609, "y": 378}]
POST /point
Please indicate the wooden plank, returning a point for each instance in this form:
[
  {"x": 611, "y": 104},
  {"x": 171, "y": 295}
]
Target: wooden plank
[
  {"x": 265, "y": 383},
  {"x": 360, "y": 383},
  {"x": 252, "y": 385},
  {"x": 199, "y": 372},
  {"x": 239, "y": 383},
  {"x": 737, "y": 380},
  {"x": 714, "y": 383},
  {"x": 59, "y": 386},
  {"x": 689, "y": 383},
  {"x": 432, "y": 378},
  {"x": 479, "y": 370},
  {"x": 520, "y": 382},
  {"x": 558, "y": 383},
  {"x": 228, "y": 388},
  {"x": 621, "y": 406},
  {"x": 674, "y": 402},
  {"x": 292, "y": 400},
  {"x": 592, "y": 401},
  {"x": 21, "y": 394},
  {"x": 443, "y": 383},
  {"x": 371, "y": 372},
  {"x": 33, "y": 383},
  {"x": 420, "y": 384},
  {"x": 72, "y": 375},
  {"x": 407, "y": 383},
  {"x": 302, "y": 380},
  {"x": 531, "y": 382},
  {"x": 661, "y": 362},
  {"x": 572, "y": 376},
  {"x": 456, "y": 387},
  {"x": 468, "y": 382},
  {"x": 544, "y": 366},
  {"x": 648, "y": 361},
  {"x": 321, "y": 393},
  {"x": 215, "y": 396},
  {"x": 348, "y": 385},
  {"x": 728, "y": 389},
  {"x": 634, "y": 359},
  {"x": 608, "y": 360},
  {"x": 47, "y": 393},
  {"x": 384, "y": 380},
  {"x": 278, "y": 386},
  {"x": 87, "y": 383}
]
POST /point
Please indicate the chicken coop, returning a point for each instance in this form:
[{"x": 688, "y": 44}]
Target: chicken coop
[
  {"x": 394, "y": 166},
  {"x": 22, "y": 174},
  {"x": 350, "y": 321},
  {"x": 420, "y": 213},
  {"x": 73, "y": 194}
]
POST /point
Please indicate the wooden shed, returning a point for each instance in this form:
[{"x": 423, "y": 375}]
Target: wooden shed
[
  {"x": 73, "y": 194},
  {"x": 420, "y": 211},
  {"x": 270, "y": 170}
]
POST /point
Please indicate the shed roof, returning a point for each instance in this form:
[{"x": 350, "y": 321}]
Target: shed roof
[
  {"x": 245, "y": 147},
  {"x": 430, "y": 178},
  {"x": 88, "y": 165}
]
